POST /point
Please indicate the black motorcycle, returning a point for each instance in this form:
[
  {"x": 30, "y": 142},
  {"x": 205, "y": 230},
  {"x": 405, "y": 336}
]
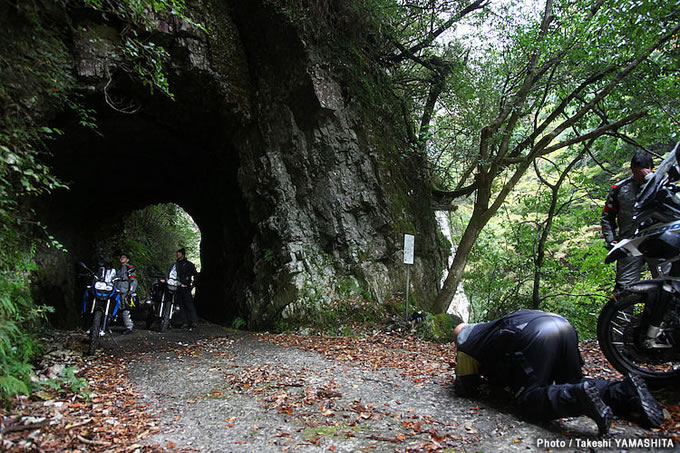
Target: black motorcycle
[
  {"x": 101, "y": 302},
  {"x": 162, "y": 302},
  {"x": 639, "y": 328}
]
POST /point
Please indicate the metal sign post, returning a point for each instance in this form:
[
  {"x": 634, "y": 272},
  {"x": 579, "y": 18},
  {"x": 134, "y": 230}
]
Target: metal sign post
[{"x": 408, "y": 261}]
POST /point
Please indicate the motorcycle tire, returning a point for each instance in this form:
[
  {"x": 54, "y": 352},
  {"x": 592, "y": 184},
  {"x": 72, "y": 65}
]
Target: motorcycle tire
[
  {"x": 619, "y": 335},
  {"x": 165, "y": 320},
  {"x": 95, "y": 327}
]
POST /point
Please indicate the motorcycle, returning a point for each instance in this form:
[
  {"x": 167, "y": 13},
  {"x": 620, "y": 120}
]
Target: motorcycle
[
  {"x": 639, "y": 328},
  {"x": 101, "y": 301},
  {"x": 162, "y": 302}
]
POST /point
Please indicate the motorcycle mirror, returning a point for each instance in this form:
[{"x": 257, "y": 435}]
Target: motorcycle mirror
[
  {"x": 658, "y": 178},
  {"x": 81, "y": 264},
  {"x": 676, "y": 170},
  {"x": 674, "y": 173}
]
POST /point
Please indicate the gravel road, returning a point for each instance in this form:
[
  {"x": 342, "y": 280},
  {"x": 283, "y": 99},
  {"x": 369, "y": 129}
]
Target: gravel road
[{"x": 220, "y": 390}]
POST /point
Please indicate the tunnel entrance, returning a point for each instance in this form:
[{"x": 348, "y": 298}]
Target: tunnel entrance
[
  {"x": 151, "y": 236},
  {"x": 167, "y": 152}
]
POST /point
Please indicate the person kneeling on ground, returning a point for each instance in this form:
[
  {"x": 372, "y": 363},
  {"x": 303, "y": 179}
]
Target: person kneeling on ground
[{"x": 535, "y": 355}]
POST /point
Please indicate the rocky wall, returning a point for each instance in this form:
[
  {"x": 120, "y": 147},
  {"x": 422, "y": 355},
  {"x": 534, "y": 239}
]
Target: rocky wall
[{"x": 296, "y": 182}]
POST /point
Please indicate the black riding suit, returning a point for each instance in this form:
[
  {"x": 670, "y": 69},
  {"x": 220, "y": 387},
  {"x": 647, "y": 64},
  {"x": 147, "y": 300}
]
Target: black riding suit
[
  {"x": 186, "y": 274},
  {"x": 617, "y": 223},
  {"x": 535, "y": 355}
]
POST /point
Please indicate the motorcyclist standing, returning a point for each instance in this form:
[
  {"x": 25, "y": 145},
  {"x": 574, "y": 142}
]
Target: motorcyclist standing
[
  {"x": 185, "y": 271},
  {"x": 127, "y": 285},
  {"x": 617, "y": 217}
]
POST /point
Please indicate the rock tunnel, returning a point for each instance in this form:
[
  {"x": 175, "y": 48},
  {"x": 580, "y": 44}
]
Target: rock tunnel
[
  {"x": 176, "y": 152},
  {"x": 295, "y": 180}
]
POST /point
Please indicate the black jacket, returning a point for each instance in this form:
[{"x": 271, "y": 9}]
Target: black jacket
[
  {"x": 500, "y": 347},
  {"x": 186, "y": 272},
  {"x": 619, "y": 209}
]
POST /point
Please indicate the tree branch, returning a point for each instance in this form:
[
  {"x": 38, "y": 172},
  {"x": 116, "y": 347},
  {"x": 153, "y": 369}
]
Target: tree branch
[
  {"x": 596, "y": 132},
  {"x": 574, "y": 295},
  {"x": 445, "y": 197},
  {"x": 606, "y": 90},
  {"x": 429, "y": 39}
]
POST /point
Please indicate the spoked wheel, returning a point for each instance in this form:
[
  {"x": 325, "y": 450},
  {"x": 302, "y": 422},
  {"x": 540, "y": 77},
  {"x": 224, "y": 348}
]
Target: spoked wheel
[
  {"x": 620, "y": 335},
  {"x": 95, "y": 327}
]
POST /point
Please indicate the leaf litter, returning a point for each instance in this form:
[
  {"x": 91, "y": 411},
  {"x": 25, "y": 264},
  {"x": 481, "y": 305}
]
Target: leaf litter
[{"x": 111, "y": 415}]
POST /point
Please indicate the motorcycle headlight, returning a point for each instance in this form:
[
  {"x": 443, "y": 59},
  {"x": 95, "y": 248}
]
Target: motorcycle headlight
[{"x": 102, "y": 286}]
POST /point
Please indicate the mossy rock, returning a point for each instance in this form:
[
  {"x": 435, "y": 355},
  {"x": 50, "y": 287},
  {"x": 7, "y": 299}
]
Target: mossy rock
[
  {"x": 437, "y": 328},
  {"x": 394, "y": 307}
]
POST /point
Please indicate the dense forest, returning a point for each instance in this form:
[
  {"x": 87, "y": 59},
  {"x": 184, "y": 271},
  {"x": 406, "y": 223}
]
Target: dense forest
[{"x": 525, "y": 113}]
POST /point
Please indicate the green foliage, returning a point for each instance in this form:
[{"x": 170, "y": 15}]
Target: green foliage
[
  {"x": 152, "y": 236},
  {"x": 22, "y": 174},
  {"x": 39, "y": 80},
  {"x": 148, "y": 61},
  {"x": 527, "y": 89},
  {"x": 67, "y": 382},
  {"x": 20, "y": 319},
  {"x": 238, "y": 322},
  {"x": 332, "y": 317},
  {"x": 575, "y": 282},
  {"x": 269, "y": 255},
  {"x": 144, "y": 58},
  {"x": 41, "y": 83}
]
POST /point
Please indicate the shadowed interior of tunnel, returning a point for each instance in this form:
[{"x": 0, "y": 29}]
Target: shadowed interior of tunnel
[{"x": 167, "y": 152}]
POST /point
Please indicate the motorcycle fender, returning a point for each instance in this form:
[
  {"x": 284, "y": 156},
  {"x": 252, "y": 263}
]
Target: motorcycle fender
[
  {"x": 625, "y": 247},
  {"x": 614, "y": 255}
]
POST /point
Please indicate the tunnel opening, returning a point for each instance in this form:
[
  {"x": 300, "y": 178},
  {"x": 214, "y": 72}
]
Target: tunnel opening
[
  {"x": 178, "y": 152},
  {"x": 150, "y": 237}
]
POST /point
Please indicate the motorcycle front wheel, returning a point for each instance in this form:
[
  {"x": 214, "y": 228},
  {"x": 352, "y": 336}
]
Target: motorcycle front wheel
[
  {"x": 95, "y": 327},
  {"x": 620, "y": 335},
  {"x": 167, "y": 311}
]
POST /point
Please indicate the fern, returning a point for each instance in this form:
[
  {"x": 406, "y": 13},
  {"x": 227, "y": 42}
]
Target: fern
[
  {"x": 20, "y": 319},
  {"x": 10, "y": 385}
]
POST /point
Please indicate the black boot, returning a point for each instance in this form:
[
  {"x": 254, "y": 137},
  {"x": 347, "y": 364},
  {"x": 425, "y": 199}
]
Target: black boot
[
  {"x": 643, "y": 403},
  {"x": 592, "y": 405}
]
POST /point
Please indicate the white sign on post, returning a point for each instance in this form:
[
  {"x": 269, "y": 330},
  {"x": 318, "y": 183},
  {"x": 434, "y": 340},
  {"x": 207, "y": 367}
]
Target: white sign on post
[
  {"x": 408, "y": 259},
  {"x": 408, "y": 248}
]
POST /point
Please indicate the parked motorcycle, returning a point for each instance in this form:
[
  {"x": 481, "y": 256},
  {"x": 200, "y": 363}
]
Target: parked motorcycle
[
  {"x": 101, "y": 302},
  {"x": 162, "y": 302},
  {"x": 639, "y": 328}
]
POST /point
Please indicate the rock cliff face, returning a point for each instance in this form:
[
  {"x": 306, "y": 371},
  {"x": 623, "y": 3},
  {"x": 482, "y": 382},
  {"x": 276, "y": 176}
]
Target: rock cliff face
[{"x": 297, "y": 181}]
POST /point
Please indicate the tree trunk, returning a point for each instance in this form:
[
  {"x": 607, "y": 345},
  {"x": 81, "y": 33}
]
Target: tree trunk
[
  {"x": 540, "y": 255},
  {"x": 455, "y": 275}
]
